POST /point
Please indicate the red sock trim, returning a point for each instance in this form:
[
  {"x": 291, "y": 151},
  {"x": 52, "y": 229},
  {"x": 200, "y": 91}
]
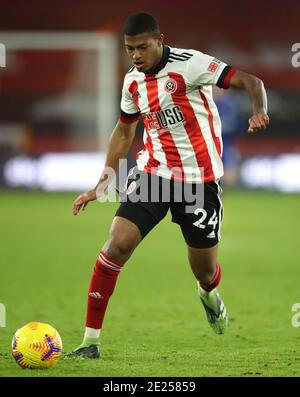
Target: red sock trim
[
  {"x": 106, "y": 263},
  {"x": 111, "y": 260},
  {"x": 215, "y": 281}
]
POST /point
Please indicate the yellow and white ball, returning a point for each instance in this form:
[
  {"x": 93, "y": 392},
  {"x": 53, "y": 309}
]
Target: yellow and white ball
[{"x": 36, "y": 345}]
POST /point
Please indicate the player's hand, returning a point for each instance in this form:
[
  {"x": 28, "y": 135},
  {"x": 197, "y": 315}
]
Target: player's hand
[
  {"x": 258, "y": 122},
  {"x": 82, "y": 201}
]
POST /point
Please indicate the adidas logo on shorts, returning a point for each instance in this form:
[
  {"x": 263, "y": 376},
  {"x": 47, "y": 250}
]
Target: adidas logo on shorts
[{"x": 211, "y": 235}]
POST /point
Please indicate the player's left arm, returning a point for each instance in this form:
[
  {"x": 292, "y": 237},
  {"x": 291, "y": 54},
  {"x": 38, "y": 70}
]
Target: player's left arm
[
  {"x": 258, "y": 97},
  {"x": 203, "y": 69}
]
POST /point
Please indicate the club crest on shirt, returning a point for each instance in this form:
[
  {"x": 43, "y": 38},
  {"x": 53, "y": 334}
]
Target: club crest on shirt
[{"x": 170, "y": 86}]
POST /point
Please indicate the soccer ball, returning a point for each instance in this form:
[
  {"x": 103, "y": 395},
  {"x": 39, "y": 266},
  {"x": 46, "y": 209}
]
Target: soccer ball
[{"x": 36, "y": 345}]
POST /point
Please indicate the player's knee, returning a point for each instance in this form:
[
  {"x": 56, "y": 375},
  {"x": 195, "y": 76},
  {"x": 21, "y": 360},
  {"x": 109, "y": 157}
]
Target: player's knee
[{"x": 118, "y": 249}]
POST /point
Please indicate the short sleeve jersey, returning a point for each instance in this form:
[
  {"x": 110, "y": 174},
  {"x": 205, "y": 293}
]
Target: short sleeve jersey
[{"x": 182, "y": 135}]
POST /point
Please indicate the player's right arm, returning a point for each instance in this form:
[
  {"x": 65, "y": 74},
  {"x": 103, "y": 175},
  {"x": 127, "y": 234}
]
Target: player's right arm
[{"x": 118, "y": 148}]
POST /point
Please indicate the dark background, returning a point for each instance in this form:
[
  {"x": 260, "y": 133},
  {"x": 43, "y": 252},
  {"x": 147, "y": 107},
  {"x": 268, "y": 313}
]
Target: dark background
[{"x": 255, "y": 36}]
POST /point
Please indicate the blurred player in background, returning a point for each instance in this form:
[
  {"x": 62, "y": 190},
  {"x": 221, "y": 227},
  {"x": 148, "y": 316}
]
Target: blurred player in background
[
  {"x": 171, "y": 89},
  {"x": 228, "y": 104}
]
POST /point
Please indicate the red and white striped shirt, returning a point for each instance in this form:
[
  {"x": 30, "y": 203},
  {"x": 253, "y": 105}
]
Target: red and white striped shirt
[{"x": 182, "y": 136}]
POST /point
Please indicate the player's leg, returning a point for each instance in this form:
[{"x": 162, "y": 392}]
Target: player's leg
[
  {"x": 203, "y": 262},
  {"x": 207, "y": 271},
  {"x": 124, "y": 236},
  {"x": 132, "y": 223},
  {"x": 201, "y": 230}
]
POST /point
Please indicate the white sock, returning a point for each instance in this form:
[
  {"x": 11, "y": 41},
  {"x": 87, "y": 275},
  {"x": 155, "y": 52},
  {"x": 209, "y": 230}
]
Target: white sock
[{"x": 92, "y": 333}]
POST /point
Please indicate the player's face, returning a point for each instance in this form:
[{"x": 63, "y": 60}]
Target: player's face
[{"x": 144, "y": 50}]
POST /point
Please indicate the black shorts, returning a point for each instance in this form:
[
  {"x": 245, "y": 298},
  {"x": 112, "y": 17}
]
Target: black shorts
[{"x": 200, "y": 220}]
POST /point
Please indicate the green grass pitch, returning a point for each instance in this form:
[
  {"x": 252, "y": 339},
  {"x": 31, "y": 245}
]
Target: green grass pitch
[{"x": 155, "y": 324}]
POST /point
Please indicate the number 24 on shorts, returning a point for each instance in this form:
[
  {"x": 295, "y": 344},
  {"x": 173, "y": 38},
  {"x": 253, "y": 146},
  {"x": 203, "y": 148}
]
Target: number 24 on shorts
[{"x": 213, "y": 221}]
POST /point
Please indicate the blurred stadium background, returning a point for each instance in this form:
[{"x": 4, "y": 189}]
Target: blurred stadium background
[
  {"x": 60, "y": 90},
  {"x": 60, "y": 94}
]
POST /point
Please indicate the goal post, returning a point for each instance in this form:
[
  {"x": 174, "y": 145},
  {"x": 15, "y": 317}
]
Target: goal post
[{"x": 106, "y": 46}]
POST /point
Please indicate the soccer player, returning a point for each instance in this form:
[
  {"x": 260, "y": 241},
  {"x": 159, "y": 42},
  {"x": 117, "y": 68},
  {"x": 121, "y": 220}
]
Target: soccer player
[{"x": 171, "y": 89}]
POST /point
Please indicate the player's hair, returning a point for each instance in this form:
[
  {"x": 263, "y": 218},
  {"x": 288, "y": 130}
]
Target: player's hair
[{"x": 141, "y": 23}]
